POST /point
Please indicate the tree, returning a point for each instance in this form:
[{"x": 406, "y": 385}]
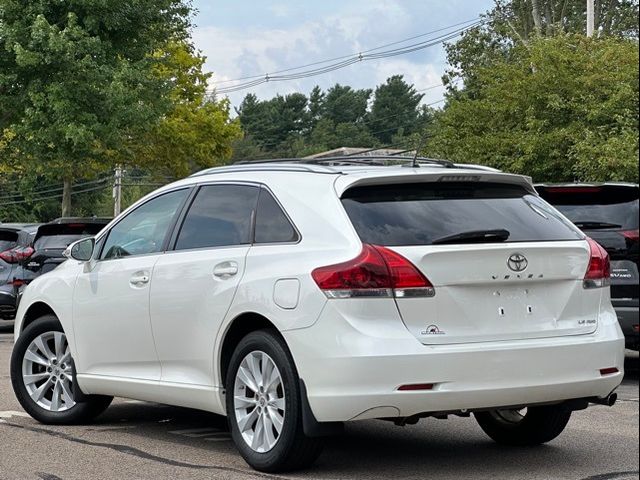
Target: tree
[
  {"x": 394, "y": 109},
  {"x": 517, "y": 22},
  {"x": 561, "y": 108},
  {"x": 196, "y": 132},
  {"x": 343, "y": 104},
  {"x": 77, "y": 81}
]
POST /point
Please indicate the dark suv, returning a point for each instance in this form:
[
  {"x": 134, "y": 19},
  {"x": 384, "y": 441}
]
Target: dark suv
[
  {"x": 28, "y": 251},
  {"x": 608, "y": 213},
  {"x": 52, "y": 239},
  {"x": 15, "y": 247}
]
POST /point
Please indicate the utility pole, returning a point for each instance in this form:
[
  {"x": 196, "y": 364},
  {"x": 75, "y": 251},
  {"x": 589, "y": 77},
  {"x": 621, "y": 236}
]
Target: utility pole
[
  {"x": 117, "y": 191},
  {"x": 590, "y": 18}
]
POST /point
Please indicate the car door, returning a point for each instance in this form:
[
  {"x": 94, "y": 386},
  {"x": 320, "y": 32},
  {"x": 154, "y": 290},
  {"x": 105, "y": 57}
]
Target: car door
[
  {"x": 193, "y": 285},
  {"x": 111, "y": 299}
]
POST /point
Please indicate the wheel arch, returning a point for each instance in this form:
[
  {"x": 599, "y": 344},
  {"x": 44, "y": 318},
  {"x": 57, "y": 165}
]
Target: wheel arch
[
  {"x": 34, "y": 311},
  {"x": 237, "y": 329}
]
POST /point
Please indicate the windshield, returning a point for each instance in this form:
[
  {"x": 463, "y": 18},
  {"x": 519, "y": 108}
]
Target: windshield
[{"x": 423, "y": 213}]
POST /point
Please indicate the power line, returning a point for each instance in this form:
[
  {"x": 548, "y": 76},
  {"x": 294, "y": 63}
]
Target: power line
[
  {"x": 51, "y": 197},
  {"x": 250, "y": 77},
  {"x": 350, "y": 60},
  {"x": 57, "y": 189}
]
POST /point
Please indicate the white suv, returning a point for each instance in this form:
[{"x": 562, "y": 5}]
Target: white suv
[{"x": 295, "y": 296}]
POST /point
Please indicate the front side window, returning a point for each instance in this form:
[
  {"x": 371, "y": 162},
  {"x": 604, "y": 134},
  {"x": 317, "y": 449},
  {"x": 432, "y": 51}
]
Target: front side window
[
  {"x": 145, "y": 229},
  {"x": 220, "y": 215}
]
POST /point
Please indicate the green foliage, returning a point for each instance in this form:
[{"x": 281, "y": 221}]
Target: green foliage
[
  {"x": 516, "y": 22},
  {"x": 394, "y": 109},
  {"x": 196, "y": 132},
  {"x": 559, "y": 109},
  {"x": 296, "y": 125},
  {"x": 78, "y": 81}
]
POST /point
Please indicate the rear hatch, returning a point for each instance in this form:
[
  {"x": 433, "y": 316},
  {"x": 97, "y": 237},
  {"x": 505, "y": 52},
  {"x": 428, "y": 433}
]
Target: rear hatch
[
  {"x": 52, "y": 239},
  {"x": 503, "y": 263},
  {"x": 8, "y": 241},
  {"x": 608, "y": 214}
]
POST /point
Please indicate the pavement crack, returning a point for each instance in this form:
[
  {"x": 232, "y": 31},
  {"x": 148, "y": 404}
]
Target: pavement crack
[
  {"x": 613, "y": 475},
  {"x": 48, "y": 476},
  {"x": 136, "y": 453}
]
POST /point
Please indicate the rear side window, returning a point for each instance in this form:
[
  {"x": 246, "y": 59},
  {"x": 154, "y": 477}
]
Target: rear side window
[
  {"x": 272, "y": 225},
  {"x": 607, "y": 206},
  {"x": 424, "y": 213},
  {"x": 220, "y": 215},
  {"x": 8, "y": 240}
]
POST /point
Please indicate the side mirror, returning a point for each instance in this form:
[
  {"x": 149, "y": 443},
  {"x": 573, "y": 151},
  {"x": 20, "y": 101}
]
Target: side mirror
[{"x": 82, "y": 250}]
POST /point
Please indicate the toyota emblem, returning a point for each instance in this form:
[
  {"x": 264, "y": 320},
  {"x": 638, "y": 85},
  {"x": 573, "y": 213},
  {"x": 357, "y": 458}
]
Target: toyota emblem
[{"x": 517, "y": 262}]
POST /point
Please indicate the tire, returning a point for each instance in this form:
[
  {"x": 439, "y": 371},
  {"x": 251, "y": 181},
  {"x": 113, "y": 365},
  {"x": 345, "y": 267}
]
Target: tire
[
  {"x": 537, "y": 426},
  {"x": 292, "y": 449},
  {"x": 51, "y": 372}
]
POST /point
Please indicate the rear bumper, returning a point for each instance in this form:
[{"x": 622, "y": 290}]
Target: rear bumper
[
  {"x": 627, "y": 313},
  {"x": 7, "y": 303},
  {"x": 353, "y": 368}
]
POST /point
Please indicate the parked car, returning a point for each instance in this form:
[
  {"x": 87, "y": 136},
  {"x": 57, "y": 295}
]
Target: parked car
[
  {"x": 52, "y": 239},
  {"x": 35, "y": 249},
  {"x": 15, "y": 246},
  {"x": 295, "y": 296},
  {"x": 608, "y": 213}
]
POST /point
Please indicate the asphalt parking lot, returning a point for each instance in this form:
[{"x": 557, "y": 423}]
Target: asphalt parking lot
[{"x": 136, "y": 440}]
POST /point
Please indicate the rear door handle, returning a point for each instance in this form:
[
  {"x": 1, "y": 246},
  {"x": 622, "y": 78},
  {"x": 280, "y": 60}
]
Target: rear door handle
[
  {"x": 139, "y": 278},
  {"x": 225, "y": 270}
]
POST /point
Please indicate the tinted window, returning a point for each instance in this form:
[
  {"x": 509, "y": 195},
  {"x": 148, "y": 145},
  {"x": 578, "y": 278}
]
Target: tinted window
[
  {"x": 8, "y": 240},
  {"x": 220, "y": 215},
  {"x": 60, "y": 236},
  {"x": 596, "y": 207},
  {"x": 272, "y": 225},
  {"x": 144, "y": 230},
  {"x": 57, "y": 241},
  {"x": 418, "y": 214}
]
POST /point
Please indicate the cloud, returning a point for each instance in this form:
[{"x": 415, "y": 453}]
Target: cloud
[{"x": 240, "y": 49}]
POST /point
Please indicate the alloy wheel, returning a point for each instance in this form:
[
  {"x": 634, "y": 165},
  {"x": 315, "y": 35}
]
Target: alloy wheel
[
  {"x": 259, "y": 401},
  {"x": 47, "y": 372}
]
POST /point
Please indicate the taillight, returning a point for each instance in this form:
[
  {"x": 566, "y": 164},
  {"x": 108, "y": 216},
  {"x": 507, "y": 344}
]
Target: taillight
[
  {"x": 8, "y": 256},
  {"x": 599, "y": 269},
  {"x": 23, "y": 253},
  {"x": 631, "y": 235},
  {"x": 376, "y": 272},
  {"x": 16, "y": 255}
]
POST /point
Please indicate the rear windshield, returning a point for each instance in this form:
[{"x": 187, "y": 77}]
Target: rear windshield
[
  {"x": 424, "y": 213},
  {"x": 8, "y": 240},
  {"x": 53, "y": 236},
  {"x": 596, "y": 207},
  {"x": 56, "y": 241}
]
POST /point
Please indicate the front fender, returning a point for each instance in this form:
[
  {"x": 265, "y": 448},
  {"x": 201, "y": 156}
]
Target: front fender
[{"x": 55, "y": 290}]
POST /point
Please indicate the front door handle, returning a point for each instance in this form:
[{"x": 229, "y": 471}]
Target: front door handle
[
  {"x": 139, "y": 278},
  {"x": 225, "y": 269}
]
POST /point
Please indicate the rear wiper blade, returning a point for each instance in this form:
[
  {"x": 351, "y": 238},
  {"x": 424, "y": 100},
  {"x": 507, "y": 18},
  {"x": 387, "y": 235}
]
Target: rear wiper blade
[
  {"x": 475, "y": 236},
  {"x": 586, "y": 224}
]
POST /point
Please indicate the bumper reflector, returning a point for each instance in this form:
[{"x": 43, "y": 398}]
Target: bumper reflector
[
  {"x": 416, "y": 386},
  {"x": 608, "y": 371}
]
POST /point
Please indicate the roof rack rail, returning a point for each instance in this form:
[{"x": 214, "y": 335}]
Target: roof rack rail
[{"x": 346, "y": 160}]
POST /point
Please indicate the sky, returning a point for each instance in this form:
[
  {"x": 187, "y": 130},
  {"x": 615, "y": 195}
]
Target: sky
[{"x": 251, "y": 37}]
